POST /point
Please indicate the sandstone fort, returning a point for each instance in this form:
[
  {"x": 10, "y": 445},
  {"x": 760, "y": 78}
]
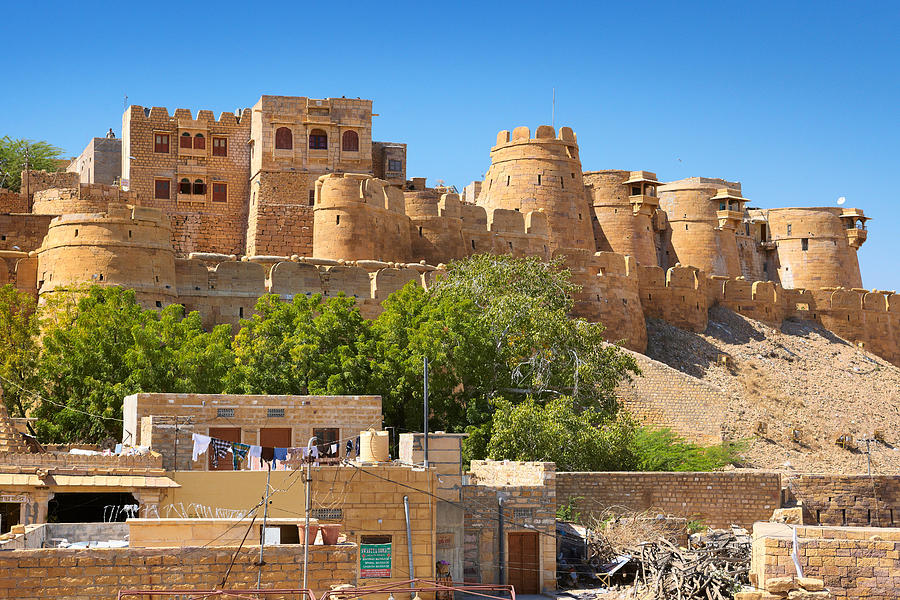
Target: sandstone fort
[{"x": 293, "y": 196}]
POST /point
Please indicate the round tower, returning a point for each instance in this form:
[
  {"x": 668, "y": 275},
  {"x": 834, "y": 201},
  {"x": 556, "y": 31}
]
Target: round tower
[
  {"x": 435, "y": 226},
  {"x": 703, "y": 215},
  {"x": 623, "y": 205},
  {"x": 359, "y": 217},
  {"x": 541, "y": 173},
  {"x": 816, "y": 247},
  {"x": 125, "y": 246}
]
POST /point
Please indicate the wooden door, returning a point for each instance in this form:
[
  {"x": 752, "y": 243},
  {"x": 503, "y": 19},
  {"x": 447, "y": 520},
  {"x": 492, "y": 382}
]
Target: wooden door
[
  {"x": 275, "y": 437},
  {"x": 523, "y": 562},
  {"x": 229, "y": 434}
]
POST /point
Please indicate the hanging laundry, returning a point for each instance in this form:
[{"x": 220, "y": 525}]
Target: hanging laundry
[
  {"x": 356, "y": 446},
  {"x": 220, "y": 449},
  {"x": 314, "y": 452},
  {"x": 268, "y": 454},
  {"x": 201, "y": 443},
  {"x": 280, "y": 455},
  {"x": 238, "y": 454},
  {"x": 349, "y": 450},
  {"x": 255, "y": 451},
  {"x": 255, "y": 463},
  {"x": 334, "y": 449}
]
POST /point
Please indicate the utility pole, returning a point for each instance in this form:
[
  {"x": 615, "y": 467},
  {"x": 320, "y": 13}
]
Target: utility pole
[
  {"x": 306, "y": 529},
  {"x": 27, "y": 181},
  {"x": 262, "y": 534},
  {"x": 425, "y": 426}
]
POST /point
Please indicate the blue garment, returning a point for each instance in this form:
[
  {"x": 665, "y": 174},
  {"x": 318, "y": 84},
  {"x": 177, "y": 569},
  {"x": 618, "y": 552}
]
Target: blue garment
[
  {"x": 349, "y": 448},
  {"x": 280, "y": 454}
]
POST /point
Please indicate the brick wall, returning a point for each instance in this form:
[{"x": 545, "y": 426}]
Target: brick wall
[
  {"x": 853, "y": 562},
  {"x": 719, "y": 499},
  {"x": 857, "y": 500},
  {"x": 666, "y": 397},
  {"x": 99, "y": 574},
  {"x": 280, "y": 218}
]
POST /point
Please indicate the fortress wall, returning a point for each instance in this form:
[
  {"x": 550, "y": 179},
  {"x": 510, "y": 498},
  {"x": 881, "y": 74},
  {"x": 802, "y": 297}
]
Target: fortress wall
[
  {"x": 358, "y": 217},
  {"x": 610, "y": 294},
  {"x": 12, "y": 202},
  {"x": 435, "y": 226},
  {"x": 827, "y": 261},
  {"x": 198, "y": 223},
  {"x": 86, "y": 198},
  {"x": 617, "y": 226},
  {"x": 751, "y": 259},
  {"x": 280, "y": 216},
  {"x": 476, "y": 237},
  {"x": 543, "y": 172},
  {"x": 36, "y": 181},
  {"x": 665, "y": 397},
  {"x": 677, "y": 296},
  {"x": 519, "y": 234},
  {"x": 23, "y": 231},
  {"x": 125, "y": 246}
]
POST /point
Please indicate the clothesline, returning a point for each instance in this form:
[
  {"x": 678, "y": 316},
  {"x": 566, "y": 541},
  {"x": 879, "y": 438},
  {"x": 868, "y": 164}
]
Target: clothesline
[{"x": 239, "y": 451}]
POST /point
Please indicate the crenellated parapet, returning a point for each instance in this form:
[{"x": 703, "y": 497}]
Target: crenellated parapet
[
  {"x": 84, "y": 198},
  {"x": 678, "y": 295},
  {"x": 541, "y": 173}
]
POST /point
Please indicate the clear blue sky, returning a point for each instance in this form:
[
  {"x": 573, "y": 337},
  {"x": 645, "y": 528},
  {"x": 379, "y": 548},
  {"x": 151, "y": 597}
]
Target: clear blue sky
[{"x": 798, "y": 101}]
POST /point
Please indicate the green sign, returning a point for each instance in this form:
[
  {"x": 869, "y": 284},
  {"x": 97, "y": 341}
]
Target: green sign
[{"x": 375, "y": 560}]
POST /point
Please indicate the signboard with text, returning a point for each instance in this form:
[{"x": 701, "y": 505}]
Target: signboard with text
[{"x": 374, "y": 560}]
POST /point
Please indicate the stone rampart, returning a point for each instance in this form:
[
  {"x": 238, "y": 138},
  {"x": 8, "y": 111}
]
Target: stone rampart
[
  {"x": 677, "y": 295},
  {"x": 719, "y": 499},
  {"x": 23, "y": 231},
  {"x": 86, "y": 198}
]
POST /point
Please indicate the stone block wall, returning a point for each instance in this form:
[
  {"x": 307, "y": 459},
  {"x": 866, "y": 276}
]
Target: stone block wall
[
  {"x": 99, "y": 574},
  {"x": 666, "y": 397},
  {"x": 852, "y": 500},
  {"x": 719, "y": 499},
  {"x": 280, "y": 219},
  {"x": 23, "y": 231},
  {"x": 85, "y": 198},
  {"x": 857, "y": 562},
  {"x": 12, "y": 202}
]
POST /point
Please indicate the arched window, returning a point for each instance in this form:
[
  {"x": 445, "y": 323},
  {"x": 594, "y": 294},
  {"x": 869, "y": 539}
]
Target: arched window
[
  {"x": 350, "y": 141},
  {"x": 318, "y": 140},
  {"x": 184, "y": 186},
  {"x": 284, "y": 139},
  {"x": 199, "y": 142},
  {"x": 185, "y": 140},
  {"x": 199, "y": 187}
]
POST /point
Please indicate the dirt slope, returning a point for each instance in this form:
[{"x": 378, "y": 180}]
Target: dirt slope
[{"x": 802, "y": 377}]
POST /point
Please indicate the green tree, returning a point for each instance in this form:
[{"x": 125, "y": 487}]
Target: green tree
[
  {"x": 100, "y": 346},
  {"x": 40, "y": 155},
  {"x": 310, "y": 345},
  {"x": 576, "y": 440},
  {"x": 494, "y": 327},
  {"x": 19, "y": 329}
]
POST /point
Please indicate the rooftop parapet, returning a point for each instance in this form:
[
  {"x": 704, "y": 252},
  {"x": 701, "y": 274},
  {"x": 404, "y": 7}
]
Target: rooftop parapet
[
  {"x": 543, "y": 134},
  {"x": 184, "y": 116}
]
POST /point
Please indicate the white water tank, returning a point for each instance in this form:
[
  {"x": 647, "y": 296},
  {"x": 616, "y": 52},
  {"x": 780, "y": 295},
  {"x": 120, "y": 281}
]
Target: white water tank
[{"x": 373, "y": 446}]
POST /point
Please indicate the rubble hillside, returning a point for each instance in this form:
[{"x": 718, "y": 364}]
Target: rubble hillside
[{"x": 800, "y": 381}]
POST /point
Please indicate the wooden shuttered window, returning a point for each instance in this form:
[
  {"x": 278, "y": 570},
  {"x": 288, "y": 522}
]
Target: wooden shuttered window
[
  {"x": 161, "y": 189},
  {"x": 161, "y": 143},
  {"x": 220, "y": 146},
  {"x": 219, "y": 192}
]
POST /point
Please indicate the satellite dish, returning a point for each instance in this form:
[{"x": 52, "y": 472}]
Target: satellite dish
[{"x": 841, "y": 200}]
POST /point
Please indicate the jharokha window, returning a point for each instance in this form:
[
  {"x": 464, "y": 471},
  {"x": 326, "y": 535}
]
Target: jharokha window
[
  {"x": 161, "y": 189},
  {"x": 185, "y": 140},
  {"x": 184, "y": 186},
  {"x": 199, "y": 142},
  {"x": 219, "y": 192},
  {"x": 318, "y": 140},
  {"x": 284, "y": 139},
  {"x": 350, "y": 141},
  {"x": 220, "y": 146},
  {"x": 161, "y": 143},
  {"x": 199, "y": 187}
]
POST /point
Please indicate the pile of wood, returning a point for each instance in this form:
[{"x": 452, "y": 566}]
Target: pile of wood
[{"x": 713, "y": 567}]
